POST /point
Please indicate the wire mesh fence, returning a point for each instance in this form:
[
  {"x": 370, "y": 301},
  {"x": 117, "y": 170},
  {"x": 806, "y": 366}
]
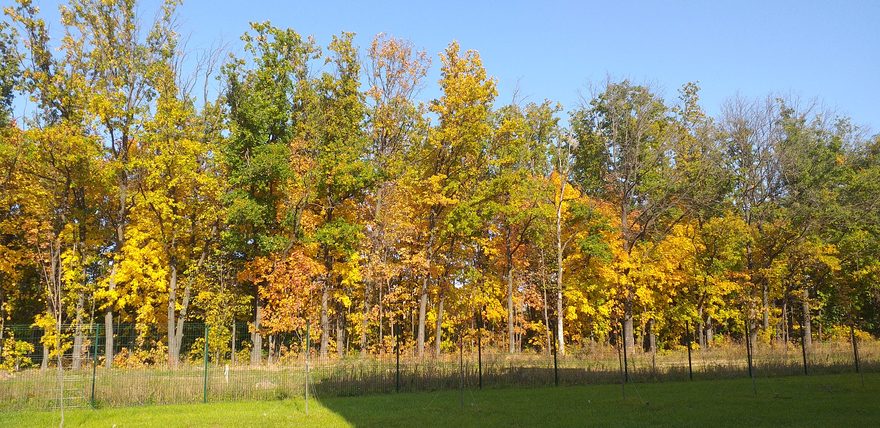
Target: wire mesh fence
[{"x": 220, "y": 367}]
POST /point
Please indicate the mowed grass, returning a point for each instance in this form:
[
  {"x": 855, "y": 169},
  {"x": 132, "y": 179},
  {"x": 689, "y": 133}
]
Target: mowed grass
[{"x": 827, "y": 400}]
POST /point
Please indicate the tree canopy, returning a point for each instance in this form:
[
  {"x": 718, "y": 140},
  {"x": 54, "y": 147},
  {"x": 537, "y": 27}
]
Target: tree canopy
[{"x": 310, "y": 186}]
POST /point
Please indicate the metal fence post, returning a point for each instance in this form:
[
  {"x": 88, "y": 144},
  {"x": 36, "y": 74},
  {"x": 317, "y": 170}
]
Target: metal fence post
[
  {"x": 205, "y": 389},
  {"x": 94, "y": 365},
  {"x": 856, "y": 359},
  {"x": 555, "y": 364},
  {"x": 748, "y": 348},
  {"x": 855, "y": 346},
  {"x": 803, "y": 346},
  {"x": 749, "y": 353}
]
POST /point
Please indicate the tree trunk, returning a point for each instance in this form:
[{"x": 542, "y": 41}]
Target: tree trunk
[
  {"x": 80, "y": 349},
  {"x": 438, "y": 333},
  {"x": 181, "y": 318},
  {"x": 325, "y": 319},
  {"x": 766, "y": 305},
  {"x": 423, "y": 309},
  {"x": 807, "y": 323},
  {"x": 45, "y": 363},
  {"x": 53, "y": 303},
  {"x": 709, "y": 331},
  {"x": 2, "y": 319},
  {"x": 519, "y": 331},
  {"x": 510, "y": 315},
  {"x": 753, "y": 337},
  {"x": 184, "y": 307},
  {"x": 652, "y": 337},
  {"x": 628, "y": 334},
  {"x": 754, "y": 333},
  {"x": 256, "y": 337},
  {"x": 625, "y": 229},
  {"x": 78, "y": 340},
  {"x": 340, "y": 335},
  {"x": 364, "y": 324},
  {"x": 546, "y": 305},
  {"x": 108, "y": 324},
  {"x": 560, "y": 315},
  {"x": 785, "y": 323},
  {"x": 394, "y": 332},
  {"x": 701, "y": 338},
  {"x": 232, "y": 355},
  {"x": 121, "y": 217},
  {"x": 173, "y": 349},
  {"x": 381, "y": 318},
  {"x": 271, "y": 349},
  {"x": 547, "y": 322}
]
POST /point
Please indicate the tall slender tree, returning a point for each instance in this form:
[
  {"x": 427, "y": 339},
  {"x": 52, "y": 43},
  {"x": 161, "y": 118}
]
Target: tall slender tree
[
  {"x": 266, "y": 106},
  {"x": 341, "y": 173},
  {"x": 448, "y": 159}
]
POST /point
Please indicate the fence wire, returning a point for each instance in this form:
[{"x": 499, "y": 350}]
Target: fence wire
[{"x": 141, "y": 372}]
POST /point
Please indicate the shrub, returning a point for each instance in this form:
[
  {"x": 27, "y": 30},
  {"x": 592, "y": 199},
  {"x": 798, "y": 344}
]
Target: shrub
[{"x": 15, "y": 354}]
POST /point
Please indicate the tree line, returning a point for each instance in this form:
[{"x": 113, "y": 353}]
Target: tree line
[{"x": 293, "y": 186}]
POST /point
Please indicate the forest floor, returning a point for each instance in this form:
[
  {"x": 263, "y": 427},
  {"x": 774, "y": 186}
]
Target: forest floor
[{"x": 820, "y": 400}]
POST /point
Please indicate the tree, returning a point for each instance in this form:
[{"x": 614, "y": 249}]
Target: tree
[
  {"x": 626, "y": 157},
  {"x": 105, "y": 43},
  {"x": 60, "y": 159},
  {"x": 396, "y": 123},
  {"x": 714, "y": 233},
  {"x": 298, "y": 198},
  {"x": 10, "y": 143},
  {"x": 718, "y": 245},
  {"x": 562, "y": 153},
  {"x": 176, "y": 214},
  {"x": 812, "y": 169},
  {"x": 517, "y": 167},
  {"x": 266, "y": 103},
  {"x": 448, "y": 159},
  {"x": 783, "y": 169},
  {"x": 858, "y": 228},
  {"x": 289, "y": 294},
  {"x": 341, "y": 173}
]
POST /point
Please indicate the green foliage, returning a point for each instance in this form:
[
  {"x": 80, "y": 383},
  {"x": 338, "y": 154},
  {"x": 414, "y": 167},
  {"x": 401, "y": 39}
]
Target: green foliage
[
  {"x": 265, "y": 109},
  {"x": 15, "y": 354},
  {"x": 317, "y": 187}
]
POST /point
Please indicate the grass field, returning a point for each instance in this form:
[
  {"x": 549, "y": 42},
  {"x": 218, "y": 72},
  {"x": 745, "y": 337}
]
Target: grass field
[
  {"x": 826, "y": 400},
  {"x": 35, "y": 389}
]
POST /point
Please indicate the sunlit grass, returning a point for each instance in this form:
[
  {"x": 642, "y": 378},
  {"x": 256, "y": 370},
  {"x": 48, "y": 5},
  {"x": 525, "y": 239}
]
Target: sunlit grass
[{"x": 822, "y": 400}]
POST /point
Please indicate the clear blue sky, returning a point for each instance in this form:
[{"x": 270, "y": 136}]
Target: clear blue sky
[{"x": 829, "y": 50}]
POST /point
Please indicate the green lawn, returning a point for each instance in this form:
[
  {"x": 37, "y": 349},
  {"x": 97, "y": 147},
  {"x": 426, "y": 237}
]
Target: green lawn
[{"x": 832, "y": 400}]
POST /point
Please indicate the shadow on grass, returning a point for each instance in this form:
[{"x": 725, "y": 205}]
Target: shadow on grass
[{"x": 817, "y": 400}]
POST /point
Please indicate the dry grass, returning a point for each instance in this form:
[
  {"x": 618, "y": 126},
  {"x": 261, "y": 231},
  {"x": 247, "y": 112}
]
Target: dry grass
[{"x": 119, "y": 387}]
